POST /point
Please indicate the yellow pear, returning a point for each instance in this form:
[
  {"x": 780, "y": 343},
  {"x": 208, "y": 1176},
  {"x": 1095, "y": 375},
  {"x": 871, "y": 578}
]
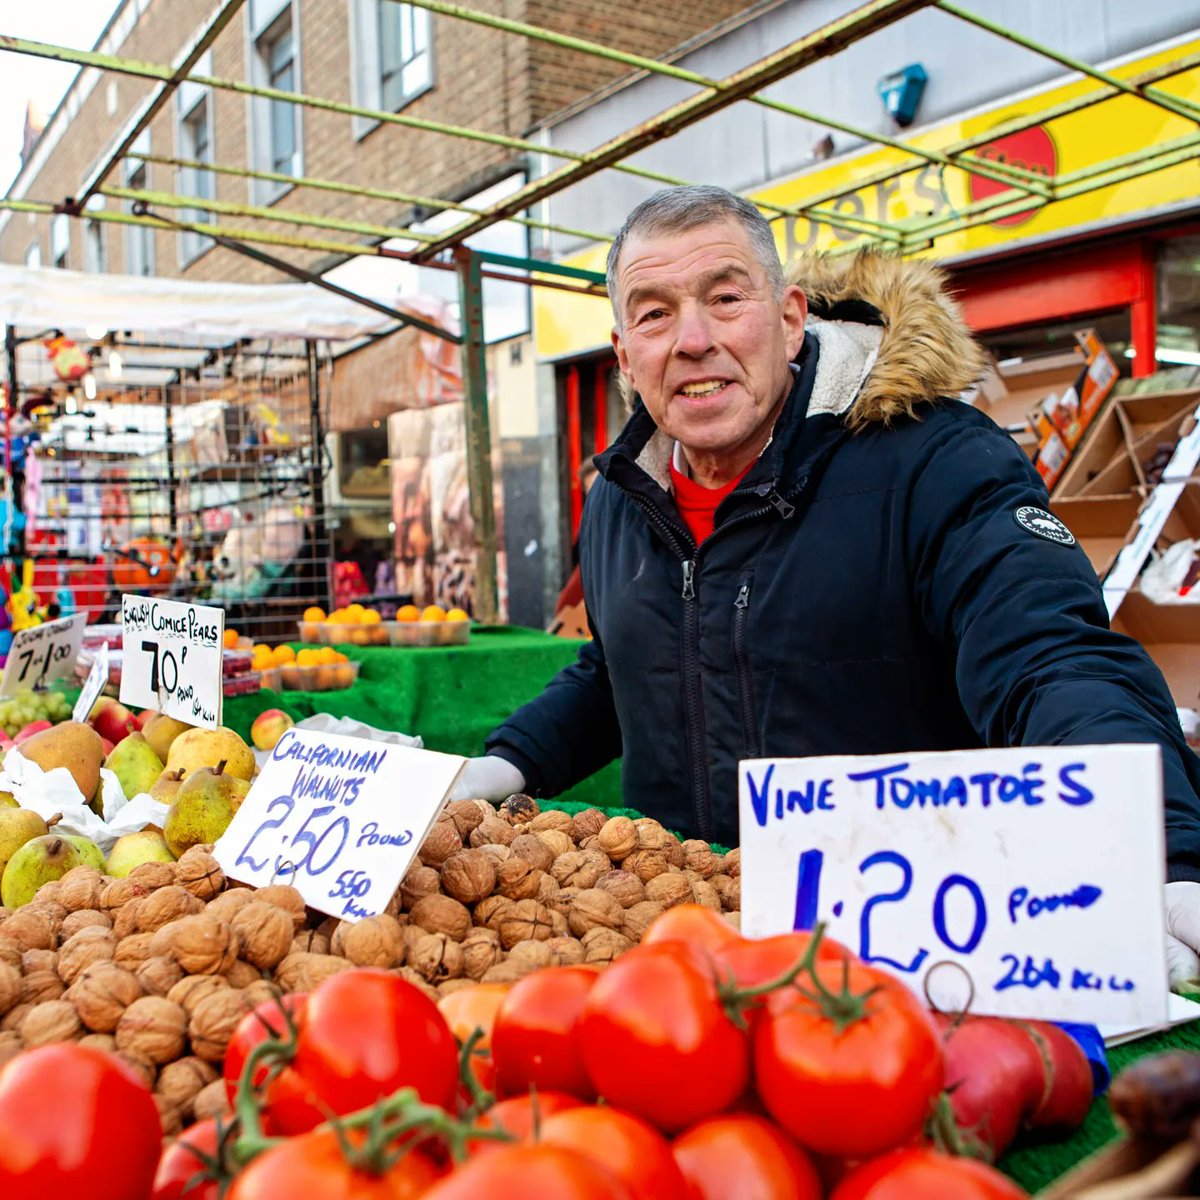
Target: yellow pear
[
  {"x": 72, "y": 745},
  {"x": 203, "y": 808},
  {"x": 206, "y": 747},
  {"x": 161, "y": 731}
]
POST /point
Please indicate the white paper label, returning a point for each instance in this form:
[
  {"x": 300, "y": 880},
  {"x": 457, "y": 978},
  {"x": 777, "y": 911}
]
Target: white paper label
[
  {"x": 338, "y": 818},
  {"x": 94, "y": 685},
  {"x": 172, "y": 658},
  {"x": 1038, "y": 871},
  {"x": 43, "y": 653}
]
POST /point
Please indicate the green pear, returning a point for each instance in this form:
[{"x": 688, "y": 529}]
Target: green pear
[
  {"x": 38, "y": 861},
  {"x": 18, "y": 826},
  {"x": 132, "y": 849},
  {"x": 89, "y": 853},
  {"x": 166, "y": 785},
  {"x": 8, "y": 800},
  {"x": 203, "y": 807},
  {"x": 161, "y": 731},
  {"x": 135, "y": 765}
]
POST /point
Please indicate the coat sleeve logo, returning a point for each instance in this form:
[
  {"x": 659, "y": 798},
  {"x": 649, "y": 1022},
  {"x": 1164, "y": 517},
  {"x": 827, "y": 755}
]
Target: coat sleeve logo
[{"x": 1045, "y": 525}]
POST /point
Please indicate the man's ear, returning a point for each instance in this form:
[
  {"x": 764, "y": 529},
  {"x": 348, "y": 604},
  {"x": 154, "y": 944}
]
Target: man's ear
[
  {"x": 619, "y": 347},
  {"x": 793, "y": 306}
]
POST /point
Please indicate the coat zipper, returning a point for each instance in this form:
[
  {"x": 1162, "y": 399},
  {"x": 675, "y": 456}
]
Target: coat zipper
[
  {"x": 694, "y": 703},
  {"x": 741, "y": 667}
]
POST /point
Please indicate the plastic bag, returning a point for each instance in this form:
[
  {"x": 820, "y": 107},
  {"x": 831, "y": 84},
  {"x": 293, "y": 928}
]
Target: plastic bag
[{"x": 1168, "y": 579}]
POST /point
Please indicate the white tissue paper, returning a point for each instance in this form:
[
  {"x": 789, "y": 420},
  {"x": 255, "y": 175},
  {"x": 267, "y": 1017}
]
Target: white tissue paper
[
  {"x": 348, "y": 727},
  {"x": 50, "y": 792}
]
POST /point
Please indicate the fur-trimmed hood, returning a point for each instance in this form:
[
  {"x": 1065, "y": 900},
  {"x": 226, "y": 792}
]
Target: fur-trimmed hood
[{"x": 923, "y": 349}]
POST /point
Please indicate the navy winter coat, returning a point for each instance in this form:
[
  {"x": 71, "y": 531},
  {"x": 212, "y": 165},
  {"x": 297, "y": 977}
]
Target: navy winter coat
[{"x": 862, "y": 592}]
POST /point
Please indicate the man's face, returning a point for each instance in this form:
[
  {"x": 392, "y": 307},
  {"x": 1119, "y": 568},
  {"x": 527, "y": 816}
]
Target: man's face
[{"x": 705, "y": 342}]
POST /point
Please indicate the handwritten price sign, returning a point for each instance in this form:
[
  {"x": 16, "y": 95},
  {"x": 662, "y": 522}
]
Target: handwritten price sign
[
  {"x": 338, "y": 818},
  {"x": 43, "y": 653},
  {"x": 97, "y": 678},
  {"x": 172, "y": 658},
  {"x": 1038, "y": 872}
]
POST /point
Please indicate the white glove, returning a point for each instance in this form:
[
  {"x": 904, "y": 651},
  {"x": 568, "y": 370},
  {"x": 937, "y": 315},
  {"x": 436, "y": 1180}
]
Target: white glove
[
  {"x": 494, "y": 779},
  {"x": 1183, "y": 933}
]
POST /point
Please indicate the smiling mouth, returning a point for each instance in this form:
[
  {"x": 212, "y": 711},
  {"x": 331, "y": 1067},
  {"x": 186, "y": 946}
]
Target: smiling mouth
[{"x": 696, "y": 391}]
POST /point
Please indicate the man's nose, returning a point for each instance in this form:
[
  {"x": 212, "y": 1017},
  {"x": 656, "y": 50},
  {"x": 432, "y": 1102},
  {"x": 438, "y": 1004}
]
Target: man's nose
[{"x": 694, "y": 334}]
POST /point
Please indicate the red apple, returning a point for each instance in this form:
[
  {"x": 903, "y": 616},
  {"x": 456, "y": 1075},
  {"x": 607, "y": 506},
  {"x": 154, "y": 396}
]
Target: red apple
[
  {"x": 111, "y": 719},
  {"x": 144, "y": 717},
  {"x": 269, "y": 727},
  {"x": 108, "y": 746},
  {"x": 30, "y": 729}
]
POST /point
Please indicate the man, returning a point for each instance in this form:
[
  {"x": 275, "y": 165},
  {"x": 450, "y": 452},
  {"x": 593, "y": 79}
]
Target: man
[{"x": 802, "y": 544}]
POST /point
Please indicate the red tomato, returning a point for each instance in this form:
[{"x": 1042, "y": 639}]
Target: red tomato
[
  {"x": 657, "y": 1041},
  {"x": 742, "y": 1157},
  {"x": 701, "y": 928},
  {"x": 857, "y": 1091},
  {"x": 287, "y": 1104},
  {"x": 474, "y": 1008},
  {"x": 633, "y": 1151},
  {"x": 904, "y": 1174},
  {"x": 180, "y": 1165},
  {"x": 519, "y": 1115},
  {"x": 367, "y": 1033},
  {"x": 314, "y": 1164},
  {"x": 547, "y": 1172},
  {"x": 75, "y": 1122},
  {"x": 536, "y": 1041}
]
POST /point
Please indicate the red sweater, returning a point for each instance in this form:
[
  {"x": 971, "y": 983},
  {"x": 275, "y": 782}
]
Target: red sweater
[{"x": 697, "y": 504}]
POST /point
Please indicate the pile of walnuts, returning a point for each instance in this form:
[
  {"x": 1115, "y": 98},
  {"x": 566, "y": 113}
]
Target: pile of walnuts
[{"x": 160, "y": 967}]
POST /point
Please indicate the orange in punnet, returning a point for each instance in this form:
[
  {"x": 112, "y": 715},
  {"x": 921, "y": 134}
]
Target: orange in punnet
[
  {"x": 458, "y": 614},
  {"x": 433, "y": 612},
  {"x": 408, "y": 612},
  {"x": 314, "y": 614},
  {"x": 283, "y": 654},
  {"x": 231, "y": 639}
]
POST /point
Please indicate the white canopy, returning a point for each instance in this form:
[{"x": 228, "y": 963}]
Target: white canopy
[{"x": 37, "y": 298}]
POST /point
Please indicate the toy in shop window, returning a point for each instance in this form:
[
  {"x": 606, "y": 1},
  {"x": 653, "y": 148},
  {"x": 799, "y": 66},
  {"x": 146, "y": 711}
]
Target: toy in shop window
[
  {"x": 70, "y": 362},
  {"x": 144, "y": 565}
]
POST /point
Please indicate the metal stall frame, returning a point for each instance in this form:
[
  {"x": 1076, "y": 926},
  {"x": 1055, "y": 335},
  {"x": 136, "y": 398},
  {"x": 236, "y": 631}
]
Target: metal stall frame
[{"x": 1023, "y": 190}]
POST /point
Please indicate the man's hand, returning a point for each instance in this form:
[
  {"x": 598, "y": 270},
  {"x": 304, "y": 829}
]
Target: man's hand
[
  {"x": 1183, "y": 934},
  {"x": 495, "y": 779}
]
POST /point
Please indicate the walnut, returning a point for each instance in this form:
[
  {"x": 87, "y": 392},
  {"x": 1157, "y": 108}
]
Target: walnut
[
  {"x": 481, "y": 950},
  {"x": 125, "y": 919},
  {"x": 419, "y": 982},
  {"x": 180, "y": 1082},
  {"x": 83, "y": 918},
  {"x": 213, "y": 1021},
  {"x": 526, "y": 919},
  {"x": 303, "y": 972},
  {"x": 166, "y": 904},
  {"x": 565, "y": 951},
  {"x": 158, "y": 975},
  {"x": 704, "y": 893},
  {"x": 10, "y": 987},
  {"x": 10, "y": 1046},
  {"x": 152, "y": 1028},
  {"x": 39, "y": 986},
  {"x": 12, "y": 1019},
  {"x": 53, "y": 1021},
  {"x": 80, "y": 888},
  {"x": 492, "y": 830},
  {"x": 309, "y": 941},
  {"x": 508, "y": 971},
  {"x": 442, "y": 914},
  {"x": 562, "y": 900},
  {"x": 446, "y": 988},
  {"x": 669, "y": 889},
  {"x": 618, "y": 838},
  {"x": 602, "y": 945},
  {"x": 242, "y": 974},
  {"x": 89, "y": 945},
  {"x": 698, "y": 856},
  {"x": 646, "y": 864},
  {"x": 211, "y": 1101},
  {"x": 553, "y": 818},
  {"x": 10, "y": 951},
  {"x": 556, "y": 841},
  {"x": 371, "y": 942},
  {"x": 624, "y": 887},
  {"x": 468, "y": 876},
  {"x": 154, "y": 875},
  {"x": 229, "y": 902},
  {"x": 199, "y": 873},
  {"x": 731, "y": 864},
  {"x": 591, "y": 843},
  {"x": 39, "y": 960},
  {"x": 651, "y": 834},
  {"x": 532, "y": 953},
  {"x": 594, "y": 907},
  {"x": 729, "y": 890},
  {"x": 488, "y": 912},
  {"x": 170, "y": 1119},
  {"x": 132, "y": 951},
  {"x": 118, "y": 893},
  {"x": 191, "y": 989},
  {"x": 639, "y": 918},
  {"x": 734, "y": 918},
  {"x": 419, "y": 882},
  {"x": 558, "y": 924},
  {"x": 548, "y": 889},
  {"x": 143, "y": 1068},
  {"x": 286, "y": 897},
  {"x": 587, "y": 823},
  {"x": 200, "y": 944},
  {"x": 411, "y": 935},
  {"x": 260, "y": 991},
  {"x": 49, "y": 909},
  {"x": 519, "y": 808},
  {"x": 517, "y": 879},
  {"x": 466, "y": 815},
  {"x": 100, "y": 1041},
  {"x": 49, "y": 891},
  {"x": 102, "y": 994},
  {"x": 32, "y": 929},
  {"x": 533, "y": 850},
  {"x": 440, "y": 842},
  {"x": 580, "y": 868},
  {"x": 264, "y": 934},
  {"x": 437, "y": 958}
]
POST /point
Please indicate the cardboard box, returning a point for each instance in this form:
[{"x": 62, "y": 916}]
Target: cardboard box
[
  {"x": 1171, "y": 635},
  {"x": 1101, "y": 524}
]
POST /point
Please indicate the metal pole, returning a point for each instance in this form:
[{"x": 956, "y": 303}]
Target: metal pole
[
  {"x": 478, "y": 430},
  {"x": 172, "y": 498},
  {"x": 10, "y": 404},
  {"x": 321, "y": 542}
]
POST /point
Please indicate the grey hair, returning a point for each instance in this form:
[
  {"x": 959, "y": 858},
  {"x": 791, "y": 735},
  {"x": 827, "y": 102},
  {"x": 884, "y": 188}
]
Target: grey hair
[{"x": 678, "y": 209}]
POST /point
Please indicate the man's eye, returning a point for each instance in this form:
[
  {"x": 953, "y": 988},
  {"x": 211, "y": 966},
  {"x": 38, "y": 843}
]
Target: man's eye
[
  {"x": 728, "y": 298},
  {"x": 651, "y": 314}
]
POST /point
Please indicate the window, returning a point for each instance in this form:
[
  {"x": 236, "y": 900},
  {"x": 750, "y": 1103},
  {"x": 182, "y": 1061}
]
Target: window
[
  {"x": 194, "y": 137},
  {"x": 33, "y": 256},
  {"x": 139, "y": 240},
  {"x": 95, "y": 248},
  {"x": 274, "y": 124},
  {"x": 391, "y": 54},
  {"x": 60, "y": 240}
]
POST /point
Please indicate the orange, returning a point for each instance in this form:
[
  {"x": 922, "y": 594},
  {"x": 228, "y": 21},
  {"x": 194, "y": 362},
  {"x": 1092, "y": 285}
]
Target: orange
[
  {"x": 307, "y": 658},
  {"x": 408, "y": 612},
  {"x": 232, "y": 637},
  {"x": 314, "y": 614},
  {"x": 457, "y": 614},
  {"x": 433, "y": 612},
  {"x": 355, "y": 612},
  {"x": 327, "y": 655},
  {"x": 283, "y": 654},
  {"x": 369, "y": 617}
]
